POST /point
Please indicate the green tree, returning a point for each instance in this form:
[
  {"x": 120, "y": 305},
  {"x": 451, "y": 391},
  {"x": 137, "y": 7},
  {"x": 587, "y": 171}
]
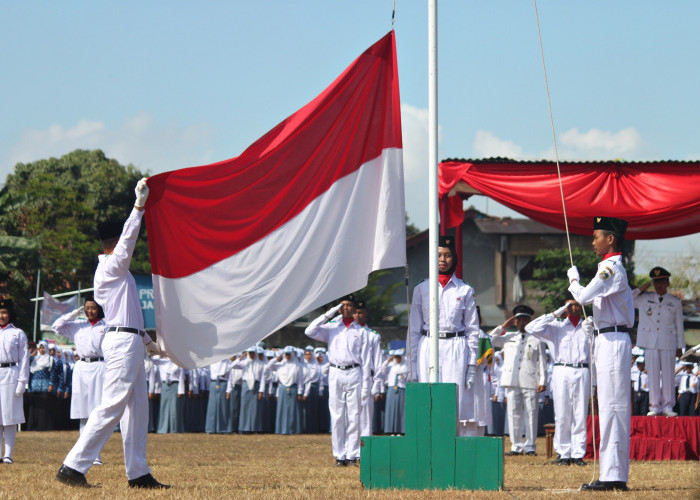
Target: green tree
[
  {"x": 53, "y": 206},
  {"x": 411, "y": 228},
  {"x": 378, "y": 299},
  {"x": 549, "y": 275}
]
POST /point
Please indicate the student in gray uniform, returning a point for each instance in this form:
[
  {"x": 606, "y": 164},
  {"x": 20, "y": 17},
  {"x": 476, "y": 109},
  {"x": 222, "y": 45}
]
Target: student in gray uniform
[
  {"x": 171, "y": 416},
  {"x": 218, "y": 408},
  {"x": 395, "y": 370},
  {"x": 290, "y": 375},
  {"x": 250, "y": 391}
]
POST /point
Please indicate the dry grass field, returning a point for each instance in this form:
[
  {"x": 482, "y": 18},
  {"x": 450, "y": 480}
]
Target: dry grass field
[{"x": 289, "y": 467}]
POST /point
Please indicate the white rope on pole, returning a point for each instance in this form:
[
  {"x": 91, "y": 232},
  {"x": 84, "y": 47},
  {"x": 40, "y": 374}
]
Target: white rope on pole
[{"x": 566, "y": 227}]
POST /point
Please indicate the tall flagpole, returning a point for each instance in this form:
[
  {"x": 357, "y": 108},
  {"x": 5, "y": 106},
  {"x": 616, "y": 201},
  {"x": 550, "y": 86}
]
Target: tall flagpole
[{"x": 433, "y": 231}]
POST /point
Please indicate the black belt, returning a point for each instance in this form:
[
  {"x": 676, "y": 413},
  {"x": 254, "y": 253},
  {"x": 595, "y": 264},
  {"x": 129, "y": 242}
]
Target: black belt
[
  {"x": 126, "y": 329},
  {"x": 445, "y": 335},
  {"x": 345, "y": 367},
  {"x": 170, "y": 382},
  {"x": 7, "y": 365},
  {"x": 573, "y": 365},
  {"x": 92, "y": 360},
  {"x": 616, "y": 328}
]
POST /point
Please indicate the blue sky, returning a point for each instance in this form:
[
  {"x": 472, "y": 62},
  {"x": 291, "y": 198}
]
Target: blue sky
[{"x": 171, "y": 84}]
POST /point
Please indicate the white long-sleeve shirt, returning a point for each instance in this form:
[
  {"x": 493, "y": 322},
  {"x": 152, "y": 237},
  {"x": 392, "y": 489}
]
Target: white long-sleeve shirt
[
  {"x": 610, "y": 294},
  {"x": 395, "y": 373},
  {"x": 86, "y": 336},
  {"x": 288, "y": 373},
  {"x": 567, "y": 343},
  {"x": 115, "y": 287},
  {"x": 13, "y": 349},
  {"x": 457, "y": 313},
  {"x": 346, "y": 345}
]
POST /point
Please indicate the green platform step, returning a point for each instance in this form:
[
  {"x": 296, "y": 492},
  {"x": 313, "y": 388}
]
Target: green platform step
[{"x": 431, "y": 455}]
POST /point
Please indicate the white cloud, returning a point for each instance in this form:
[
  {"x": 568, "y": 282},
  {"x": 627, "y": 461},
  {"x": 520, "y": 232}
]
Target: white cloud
[
  {"x": 414, "y": 124},
  {"x": 602, "y": 142},
  {"x": 487, "y": 145},
  {"x": 140, "y": 140}
]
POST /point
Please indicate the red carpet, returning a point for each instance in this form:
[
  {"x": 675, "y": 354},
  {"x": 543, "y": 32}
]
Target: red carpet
[{"x": 658, "y": 438}]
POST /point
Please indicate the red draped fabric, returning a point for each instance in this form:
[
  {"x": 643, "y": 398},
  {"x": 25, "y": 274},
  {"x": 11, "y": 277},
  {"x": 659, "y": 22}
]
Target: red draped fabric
[
  {"x": 658, "y": 199},
  {"x": 658, "y": 438}
]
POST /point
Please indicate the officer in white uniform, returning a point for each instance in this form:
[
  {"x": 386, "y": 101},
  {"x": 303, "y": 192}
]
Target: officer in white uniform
[
  {"x": 571, "y": 378},
  {"x": 458, "y": 342},
  {"x": 349, "y": 376},
  {"x": 660, "y": 332},
  {"x": 89, "y": 370},
  {"x": 14, "y": 375},
  {"x": 523, "y": 375},
  {"x": 613, "y": 316},
  {"x": 124, "y": 398}
]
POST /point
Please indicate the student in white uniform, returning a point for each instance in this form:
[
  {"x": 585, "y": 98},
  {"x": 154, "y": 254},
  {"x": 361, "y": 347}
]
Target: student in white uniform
[
  {"x": 571, "y": 379},
  {"x": 640, "y": 386},
  {"x": 523, "y": 375},
  {"x": 14, "y": 375},
  {"x": 458, "y": 334},
  {"x": 367, "y": 412},
  {"x": 613, "y": 316},
  {"x": 89, "y": 370},
  {"x": 687, "y": 390},
  {"x": 124, "y": 398},
  {"x": 660, "y": 332},
  {"x": 349, "y": 377},
  {"x": 395, "y": 371}
]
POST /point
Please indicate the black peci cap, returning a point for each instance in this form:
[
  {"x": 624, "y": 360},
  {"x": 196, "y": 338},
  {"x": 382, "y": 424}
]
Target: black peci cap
[
  {"x": 659, "y": 273},
  {"x": 612, "y": 224},
  {"x": 523, "y": 310},
  {"x": 109, "y": 230}
]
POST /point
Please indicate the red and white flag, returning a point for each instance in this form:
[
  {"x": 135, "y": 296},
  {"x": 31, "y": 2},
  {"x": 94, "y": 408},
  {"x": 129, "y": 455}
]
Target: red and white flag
[{"x": 242, "y": 247}]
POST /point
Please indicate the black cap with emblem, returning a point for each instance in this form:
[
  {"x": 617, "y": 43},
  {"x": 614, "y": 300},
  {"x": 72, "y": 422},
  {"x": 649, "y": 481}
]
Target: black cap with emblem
[
  {"x": 523, "y": 310},
  {"x": 612, "y": 224},
  {"x": 659, "y": 273}
]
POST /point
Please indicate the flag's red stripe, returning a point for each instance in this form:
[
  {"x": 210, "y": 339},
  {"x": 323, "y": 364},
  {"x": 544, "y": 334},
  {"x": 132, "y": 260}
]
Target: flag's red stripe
[{"x": 201, "y": 215}]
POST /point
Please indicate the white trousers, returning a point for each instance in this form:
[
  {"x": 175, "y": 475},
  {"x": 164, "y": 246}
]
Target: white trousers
[
  {"x": 613, "y": 358},
  {"x": 366, "y": 415},
  {"x": 522, "y": 407},
  {"x": 660, "y": 367},
  {"x": 571, "y": 390},
  {"x": 453, "y": 368},
  {"x": 344, "y": 395},
  {"x": 124, "y": 400}
]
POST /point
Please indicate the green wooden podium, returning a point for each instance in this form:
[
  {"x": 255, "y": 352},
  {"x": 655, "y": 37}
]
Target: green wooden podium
[{"x": 431, "y": 455}]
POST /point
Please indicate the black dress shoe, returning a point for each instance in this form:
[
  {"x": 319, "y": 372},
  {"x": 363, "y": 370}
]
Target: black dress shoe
[
  {"x": 355, "y": 462},
  {"x": 605, "y": 486},
  {"x": 147, "y": 481},
  {"x": 531, "y": 453},
  {"x": 578, "y": 461},
  {"x": 562, "y": 461},
  {"x": 72, "y": 477},
  {"x": 340, "y": 463},
  {"x": 513, "y": 453}
]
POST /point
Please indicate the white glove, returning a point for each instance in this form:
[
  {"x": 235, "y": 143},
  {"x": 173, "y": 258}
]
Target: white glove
[
  {"x": 365, "y": 392},
  {"x": 331, "y": 312},
  {"x": 588, "y": 327},
  {"x": 153, "y": 349},
  {"x": 572, "y": 273},
  {"x": 20, "y": 390},
  {"x": 470, "y": 377},
  {"x": 558, "y": 313},
  {"x": 141, "y": 193},
  {"x": 77, "y": 312}
]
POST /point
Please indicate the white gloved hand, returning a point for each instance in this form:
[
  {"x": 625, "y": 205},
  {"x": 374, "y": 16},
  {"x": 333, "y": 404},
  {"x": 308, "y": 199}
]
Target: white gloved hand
[
  {"x": 141, "y": 193},
  {"x": 470, "y": 377},
  {"x": 153, "y": 349},
  {"x": 588, "y": 327},
  {"x": 365, "y": 392},
  {"x": 558, "y": 313},
  {"x": 20, "y": 390},
  {"x": 77, "y": 312},
  {"x": 572, "y": 273},
  {"x": 332, "y": 311}
]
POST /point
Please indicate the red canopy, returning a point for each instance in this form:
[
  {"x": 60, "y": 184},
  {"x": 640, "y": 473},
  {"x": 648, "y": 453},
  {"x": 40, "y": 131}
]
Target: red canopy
[{"x": 658, "y": 199}]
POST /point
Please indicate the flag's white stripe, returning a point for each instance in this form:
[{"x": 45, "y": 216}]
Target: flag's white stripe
[{"x": 327, "y": 251}]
